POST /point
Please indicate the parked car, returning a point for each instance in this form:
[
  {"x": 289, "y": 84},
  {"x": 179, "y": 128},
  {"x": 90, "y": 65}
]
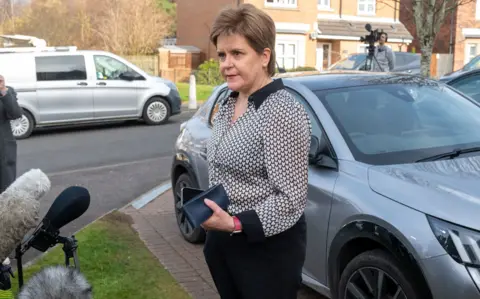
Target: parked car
[
  {"x": 64, "y": 86},
  {"x": 405, "y": 62},
  {"x": 466, "y": 82},
  {"x": 470, "y": 66},
  {"x": 393, "y": 195}
]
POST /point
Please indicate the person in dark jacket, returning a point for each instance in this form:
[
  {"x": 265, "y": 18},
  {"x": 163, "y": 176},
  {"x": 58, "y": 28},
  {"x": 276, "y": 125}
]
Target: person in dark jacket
[{"x": 9, "y": 110}]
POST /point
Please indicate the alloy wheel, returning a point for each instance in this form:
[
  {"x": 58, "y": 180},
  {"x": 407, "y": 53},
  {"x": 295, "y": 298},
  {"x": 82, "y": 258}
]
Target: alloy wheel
[
  {"x": 20, "y": 126},
  {"x": 157, "y": 111},
  {"x": 183, "y": 224},
  {"x": 373, "y": 283}
]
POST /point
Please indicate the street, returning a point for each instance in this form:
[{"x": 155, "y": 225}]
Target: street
[{"x": 115, "y": 162}]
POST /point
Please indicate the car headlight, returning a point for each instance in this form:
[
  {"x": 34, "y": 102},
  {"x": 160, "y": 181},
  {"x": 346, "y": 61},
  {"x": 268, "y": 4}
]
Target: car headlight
[{"x": 462, "y": 244}]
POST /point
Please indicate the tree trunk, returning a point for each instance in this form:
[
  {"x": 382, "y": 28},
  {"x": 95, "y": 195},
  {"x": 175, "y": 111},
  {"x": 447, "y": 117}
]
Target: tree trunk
[{"x": 425, "y": 61}]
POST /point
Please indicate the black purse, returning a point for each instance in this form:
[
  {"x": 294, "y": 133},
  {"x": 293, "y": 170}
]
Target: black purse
[{"x": 195, "y": 209}]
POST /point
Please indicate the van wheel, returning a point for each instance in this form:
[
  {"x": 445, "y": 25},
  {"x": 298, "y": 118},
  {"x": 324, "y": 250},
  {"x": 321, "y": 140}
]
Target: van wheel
[
  {"x": 156, "y": 111},
  {"x": 377, "y": 274},
  {"x": 22, "y": 127}
]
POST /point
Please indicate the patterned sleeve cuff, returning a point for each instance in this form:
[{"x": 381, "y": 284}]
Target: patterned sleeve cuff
[{"x": 251, "y": 226}]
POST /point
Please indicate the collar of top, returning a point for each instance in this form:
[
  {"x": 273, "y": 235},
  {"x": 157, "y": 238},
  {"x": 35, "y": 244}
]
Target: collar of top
[{"x": 259, "y": 96}]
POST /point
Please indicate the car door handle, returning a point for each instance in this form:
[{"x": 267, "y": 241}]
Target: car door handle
[
  {"x": 82, "y": 83},
  {"x": 101, "y": 83}
]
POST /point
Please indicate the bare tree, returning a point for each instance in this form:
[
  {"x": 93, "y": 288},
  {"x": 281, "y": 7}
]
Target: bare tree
[
  {"x": 428, "y": 16},
  {"x": 120, "y": 26}
]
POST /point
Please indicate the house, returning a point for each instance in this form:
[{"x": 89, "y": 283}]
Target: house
[
  {"x": 310, "y": 33},
  {"x": 459, "y": 35}
]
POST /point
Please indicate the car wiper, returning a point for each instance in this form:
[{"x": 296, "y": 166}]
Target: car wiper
[{"x": 452, "y": 154}]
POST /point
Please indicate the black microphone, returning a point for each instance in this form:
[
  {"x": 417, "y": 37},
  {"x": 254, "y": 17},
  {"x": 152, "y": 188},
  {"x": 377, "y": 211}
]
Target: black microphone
[{"x": 70, "y": 204}]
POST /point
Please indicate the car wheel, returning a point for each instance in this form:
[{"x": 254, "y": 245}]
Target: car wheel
[
  {"x": 190, "y": 234},
  {"x": 22, "y": 127},
  {"x": 156, "y": 111},
  {"x": 377, "y": 274}
]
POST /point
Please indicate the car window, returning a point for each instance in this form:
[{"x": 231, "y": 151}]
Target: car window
[
  {"x": 469, "y": 86},
  {"x": 400, "y": 60},
  {"x": 402, "y": 123},
  {"x": 350, "y": 63},
  {"x": 109, "y": 68},
  {"x": 214, "y": 109},
  {"x": 61, "y": 68},
  {"x": 316, "y": 128}
]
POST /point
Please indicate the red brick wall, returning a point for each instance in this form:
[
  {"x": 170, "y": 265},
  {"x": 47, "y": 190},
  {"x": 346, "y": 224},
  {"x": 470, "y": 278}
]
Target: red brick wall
[
  {"x": 194, "y": 20},
  {"x": 443, "y": 37},
  {"x": 466, "y": 19}
]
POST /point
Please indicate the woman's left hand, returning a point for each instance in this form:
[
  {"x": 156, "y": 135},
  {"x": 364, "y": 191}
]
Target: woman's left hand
[{"x": 220, "y": 220}]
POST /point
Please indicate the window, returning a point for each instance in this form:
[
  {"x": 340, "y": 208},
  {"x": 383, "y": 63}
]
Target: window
[
  {"x": 471, "y": 52},
  {"x": 323, "y": 4},
  {"x": 477, "y": 10},
  {"x": 286, "y": 52},
  {"x": 366, "y": 7},
  {"x": 316, "y": 128},
  {"x": 469, "y": 86},
  {"x": 108, "y": 68},
  {"x": 402, "y": 123},
  {"x": 281, "y": 3},
  {"x": 61, "y": 68}
]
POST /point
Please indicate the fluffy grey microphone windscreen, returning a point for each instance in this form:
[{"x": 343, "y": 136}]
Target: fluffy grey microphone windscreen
[
  {"x": 56, "y": 282},
  {"x": 19, "y": 208}
]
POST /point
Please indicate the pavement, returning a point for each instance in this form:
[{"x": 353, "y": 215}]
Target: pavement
[{"x": 156, "y": 224}]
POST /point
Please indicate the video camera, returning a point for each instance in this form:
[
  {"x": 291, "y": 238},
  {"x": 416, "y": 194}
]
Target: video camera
[{"x": 371, "y": 39}]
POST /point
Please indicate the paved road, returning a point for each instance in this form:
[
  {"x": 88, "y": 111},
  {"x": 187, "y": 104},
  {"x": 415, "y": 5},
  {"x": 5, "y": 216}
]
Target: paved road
[{"x": 116, "y": 163}]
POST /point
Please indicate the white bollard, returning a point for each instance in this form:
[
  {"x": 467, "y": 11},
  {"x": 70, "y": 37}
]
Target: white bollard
[{"x": 192, "y": 95}]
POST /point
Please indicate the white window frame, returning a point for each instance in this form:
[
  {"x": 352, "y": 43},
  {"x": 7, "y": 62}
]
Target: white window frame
[
  {"x": 324, "y": 6},
  {"x": 295, "y": 56},
  {"x": 469, "y": 57},
  {"x": 477, "y": 10},
  {"x": 366, "y": 2},
  {"x": 281, "y": 3}
]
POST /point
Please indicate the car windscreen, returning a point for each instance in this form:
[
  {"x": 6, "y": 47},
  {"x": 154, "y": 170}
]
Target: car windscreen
[
  {"x": 402, "y": 123},
  {"x": 350, "y": 63}
]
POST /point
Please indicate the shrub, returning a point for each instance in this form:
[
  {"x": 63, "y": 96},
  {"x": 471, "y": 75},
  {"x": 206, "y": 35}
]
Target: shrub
[{"x": 208, "y": 73}]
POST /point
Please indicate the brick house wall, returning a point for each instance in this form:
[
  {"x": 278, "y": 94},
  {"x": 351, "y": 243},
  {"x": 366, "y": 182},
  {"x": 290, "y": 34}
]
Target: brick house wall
[
  {"x": 442, "y": 40},
  {"x": 195, "y": 20},
  {"x": 466, "y": 15}
]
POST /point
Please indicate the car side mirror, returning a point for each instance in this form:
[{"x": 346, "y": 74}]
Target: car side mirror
[{"x": 319, "y": 154}]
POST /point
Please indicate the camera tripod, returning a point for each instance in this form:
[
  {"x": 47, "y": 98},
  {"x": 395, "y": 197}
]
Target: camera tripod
[{"x": 370, "y": 58}]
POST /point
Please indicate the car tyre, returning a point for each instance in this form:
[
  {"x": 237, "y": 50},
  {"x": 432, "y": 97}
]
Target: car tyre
[
  {"x": 156, "y": 111},
  {"x": 22, "y": 127},
  {"x": 361, "y": 274},
  {"x": 191, "y": 235}
]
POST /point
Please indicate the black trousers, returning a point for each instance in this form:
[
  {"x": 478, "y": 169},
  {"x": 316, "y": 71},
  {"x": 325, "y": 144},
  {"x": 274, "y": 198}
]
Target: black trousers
[{"x": 268, "y": 270}]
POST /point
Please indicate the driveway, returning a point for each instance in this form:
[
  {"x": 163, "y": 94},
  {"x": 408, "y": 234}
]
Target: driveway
[{"x": 157, "y": 226}]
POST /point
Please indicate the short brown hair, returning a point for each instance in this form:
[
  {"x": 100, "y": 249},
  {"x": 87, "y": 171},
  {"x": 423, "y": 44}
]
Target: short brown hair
[{"x": 250, "y": 22}]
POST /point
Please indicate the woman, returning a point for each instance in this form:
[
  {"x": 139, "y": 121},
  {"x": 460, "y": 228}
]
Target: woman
[
  {"x": 259, "y": 152},
  {"x": 9, "y": 110}
]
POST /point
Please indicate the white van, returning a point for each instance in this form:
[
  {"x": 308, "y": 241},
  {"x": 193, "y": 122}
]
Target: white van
[{"x": 63, "y": 86}]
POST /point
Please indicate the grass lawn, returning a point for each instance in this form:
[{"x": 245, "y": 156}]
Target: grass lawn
[
  {"x": 116, "y": 262},
  {"x": 203, "y": 91}
]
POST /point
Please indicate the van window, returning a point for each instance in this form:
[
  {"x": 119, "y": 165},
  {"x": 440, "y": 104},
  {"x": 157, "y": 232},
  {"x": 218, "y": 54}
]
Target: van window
[
  {"x": 108, "y": 68},
  {"x": 61, "y": 68}
]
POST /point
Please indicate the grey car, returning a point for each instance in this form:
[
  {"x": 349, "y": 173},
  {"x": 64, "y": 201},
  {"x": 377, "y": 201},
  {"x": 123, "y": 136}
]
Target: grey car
[
  {"x": 405, "y": 62},
  {"x": 394, "y": 184}
]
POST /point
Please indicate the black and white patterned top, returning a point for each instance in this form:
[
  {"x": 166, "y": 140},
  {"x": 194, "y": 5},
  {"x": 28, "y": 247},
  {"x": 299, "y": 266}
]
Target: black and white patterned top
[{"x": 262, "y": 160}]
